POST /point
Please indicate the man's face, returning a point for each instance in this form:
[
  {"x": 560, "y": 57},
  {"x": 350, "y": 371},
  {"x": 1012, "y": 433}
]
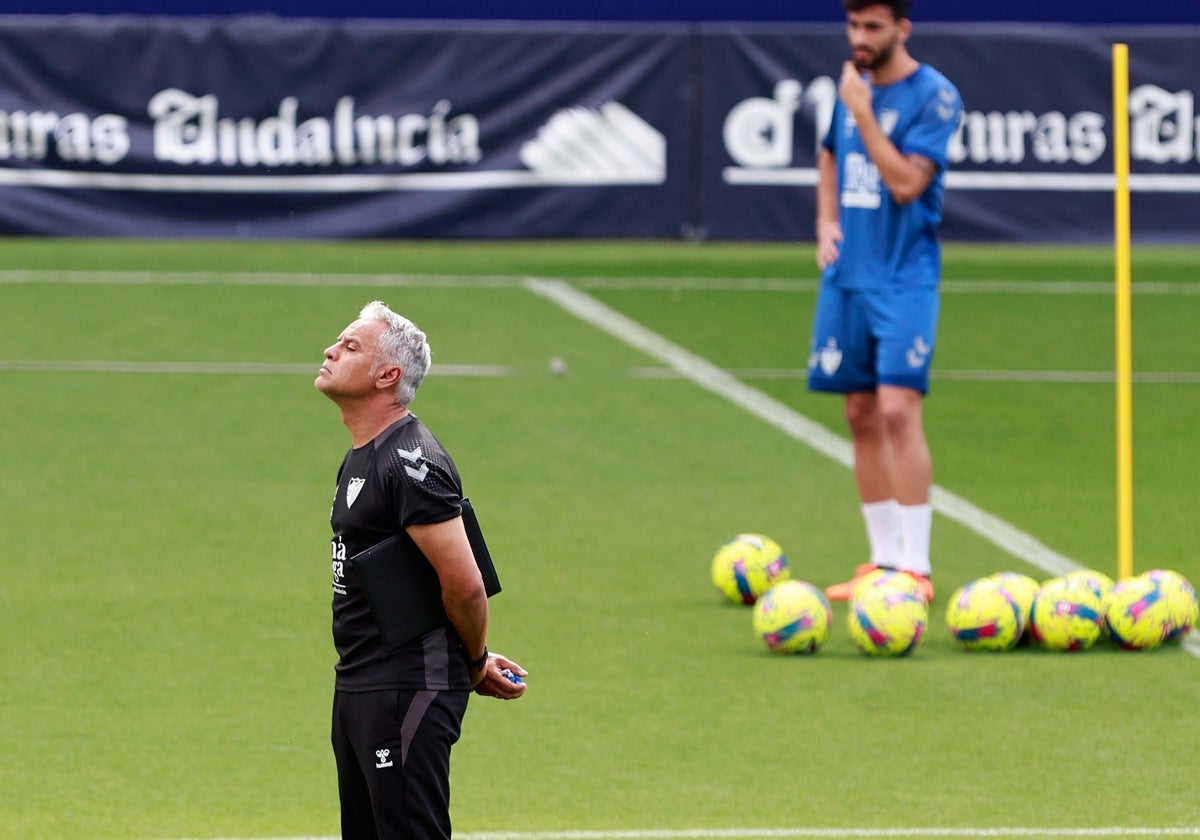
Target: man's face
[
  {"x": 873, "y": 35},
  {"x": 349, "y": 361}
]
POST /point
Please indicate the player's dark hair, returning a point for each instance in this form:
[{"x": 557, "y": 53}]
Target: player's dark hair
[{"x": 901, "y": 9}]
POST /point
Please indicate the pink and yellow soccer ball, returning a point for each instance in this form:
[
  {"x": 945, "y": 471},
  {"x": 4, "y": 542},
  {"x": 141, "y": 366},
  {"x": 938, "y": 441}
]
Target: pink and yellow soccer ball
[
  {"x": 888, "y": 580},
  {"x": 887, "y": 614},
  {"x": 746, "y": 566},
  {"x": 983, "y": 615},
  {"x": 1066, "y": 615},
  {"x": 1023, "y": 589},
  {"x": 1094, "y": 580},
  {"x": 793, "y": 616},
  {"x": 1137, "y": 613},
  {"x": 1181, "y": 598}
]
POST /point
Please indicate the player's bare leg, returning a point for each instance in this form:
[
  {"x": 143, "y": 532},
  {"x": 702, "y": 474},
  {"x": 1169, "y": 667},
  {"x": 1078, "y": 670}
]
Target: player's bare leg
[
  {"x": 894, "y": 472},
  {"x": 911, "y": 466}
]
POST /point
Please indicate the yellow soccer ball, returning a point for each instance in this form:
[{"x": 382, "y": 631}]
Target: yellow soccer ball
[
  {"x": 983, "y": 615},
  {"x": 1066, "y": 615},
  {"x": 1098, "y": 582},
  {"x": 888, "y": 580},
  {"x": 1181, "y": 597},
  {"x": 1023, "y": 590},
  {"x": 887, "y": 617},
  {"x": 792, "y": 616},
  {"x": 1137, "y": 613},
  {"x": 746, "y": 566}
]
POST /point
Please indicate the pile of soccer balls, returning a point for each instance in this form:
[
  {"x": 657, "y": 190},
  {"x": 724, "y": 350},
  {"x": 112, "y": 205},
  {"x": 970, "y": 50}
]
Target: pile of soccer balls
[
  {"x": 887, "y": 614},
  {"x": 1072, "y": 612}
]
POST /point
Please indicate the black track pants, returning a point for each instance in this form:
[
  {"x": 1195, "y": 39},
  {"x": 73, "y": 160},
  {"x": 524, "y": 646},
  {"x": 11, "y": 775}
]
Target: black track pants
[{"x": 393, "y": 762}]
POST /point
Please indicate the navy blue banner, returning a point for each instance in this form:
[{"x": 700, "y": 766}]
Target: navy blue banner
[
  {"x": 1071, "y": 11},
  {"x": 274, "y": 128},
  {"x": 1032, "y": 161},
  {"x": 271, "y": 128}
]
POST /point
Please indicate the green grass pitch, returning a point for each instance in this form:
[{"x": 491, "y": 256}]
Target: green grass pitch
[{"x": 165, "y": 484}]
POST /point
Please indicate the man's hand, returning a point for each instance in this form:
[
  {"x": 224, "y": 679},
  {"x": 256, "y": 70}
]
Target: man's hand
[
  {"x": 489, "y": 682},
  {"x": 829, "y": 240},
  {"x": 854, "y": 91}
]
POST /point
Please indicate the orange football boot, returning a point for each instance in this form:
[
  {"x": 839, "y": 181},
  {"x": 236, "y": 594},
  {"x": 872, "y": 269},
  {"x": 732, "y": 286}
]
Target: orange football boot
[{"x": 845, "y": 590}]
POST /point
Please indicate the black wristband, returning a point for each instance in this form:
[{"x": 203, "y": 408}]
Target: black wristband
[{"x": 476, "y": 664}]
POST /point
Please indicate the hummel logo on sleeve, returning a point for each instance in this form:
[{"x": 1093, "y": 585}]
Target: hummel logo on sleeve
[{"x": 414, "y": 456}]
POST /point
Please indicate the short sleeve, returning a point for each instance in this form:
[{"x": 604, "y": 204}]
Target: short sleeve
[{"x": 935, "y": 125}]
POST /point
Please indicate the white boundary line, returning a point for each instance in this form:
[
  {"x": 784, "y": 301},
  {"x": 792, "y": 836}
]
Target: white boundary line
[
  {"x": 87, "y": 277},
  {"x": 226, "y": 368},
  {"x": 498, "y": 371},
  {"x": 811, "y": 285},
  {"x": 1057, "y": 377},
  {"x": 491, "y": 281},
  {"x": 801, "y": 833},
  {"x": 712, "y": 378}
]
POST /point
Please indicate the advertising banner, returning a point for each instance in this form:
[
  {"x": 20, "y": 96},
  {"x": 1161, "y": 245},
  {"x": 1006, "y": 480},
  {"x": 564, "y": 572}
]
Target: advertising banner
[
  {"x": 269, "y": 128},
  {"x": 1031, "y": 161},
  {"x": 1099, "y": 11},
  {"x": 292, "y": 128}
]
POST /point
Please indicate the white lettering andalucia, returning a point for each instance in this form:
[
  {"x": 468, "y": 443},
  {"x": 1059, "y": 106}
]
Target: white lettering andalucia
[{"x": 189, "y": 129}]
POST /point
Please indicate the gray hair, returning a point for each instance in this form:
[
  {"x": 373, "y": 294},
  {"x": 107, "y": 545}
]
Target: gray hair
[{"x": 401, "y": 343}]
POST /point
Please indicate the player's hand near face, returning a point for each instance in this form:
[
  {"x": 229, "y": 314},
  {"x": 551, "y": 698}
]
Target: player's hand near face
[{"x": 854, "y": 91}]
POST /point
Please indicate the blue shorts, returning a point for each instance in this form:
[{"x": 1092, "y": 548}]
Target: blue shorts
[{"x": 863, "y": 338}]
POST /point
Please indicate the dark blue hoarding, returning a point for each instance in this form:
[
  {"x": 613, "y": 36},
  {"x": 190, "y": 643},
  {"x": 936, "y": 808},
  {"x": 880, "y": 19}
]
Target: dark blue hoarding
[
  {"x": 1033, "y": 159},
  {"x": 273, "y": 128},
  {"x": 784, "y": 11},
  {"x": 298, "y": 128}
]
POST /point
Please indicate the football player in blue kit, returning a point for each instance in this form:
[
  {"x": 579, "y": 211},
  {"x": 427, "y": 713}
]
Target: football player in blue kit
[{"x": 880, "y": 190}]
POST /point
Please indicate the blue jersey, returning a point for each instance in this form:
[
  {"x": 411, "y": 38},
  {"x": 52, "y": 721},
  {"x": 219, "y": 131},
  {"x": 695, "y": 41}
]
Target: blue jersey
[{"x": 885, "y": 244}]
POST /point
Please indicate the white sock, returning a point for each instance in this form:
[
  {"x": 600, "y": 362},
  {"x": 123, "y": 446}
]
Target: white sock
[
  {"x": 916, "y": 521},
  {"x": 883, "y": 533}
]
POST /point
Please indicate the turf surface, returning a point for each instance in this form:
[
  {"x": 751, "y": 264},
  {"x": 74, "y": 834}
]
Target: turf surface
[{"x": 168, "y": 665}]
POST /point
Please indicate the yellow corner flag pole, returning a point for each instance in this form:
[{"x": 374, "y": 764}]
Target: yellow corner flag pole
[{"x": 1120, "y": 64}]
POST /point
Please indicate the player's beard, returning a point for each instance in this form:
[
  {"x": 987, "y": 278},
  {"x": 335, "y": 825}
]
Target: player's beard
[{"x": 875, "y": 60}]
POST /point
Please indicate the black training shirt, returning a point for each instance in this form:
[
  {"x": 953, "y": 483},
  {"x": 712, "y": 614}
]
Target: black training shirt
[{"x": 403, "y": 477}]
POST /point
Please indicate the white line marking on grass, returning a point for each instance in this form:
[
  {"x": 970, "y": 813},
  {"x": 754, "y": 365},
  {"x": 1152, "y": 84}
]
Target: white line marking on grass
[
  {"x": 1065, "y": 287},
  {"x": 729, "y": 833},
  {"x": 712, "y": 378},
  {"x": 1068, "y": 377},
  {"x": 729, "y": 284},
  {"x": 252, "y": 278},
  {"x": 1058, "y": 377},
  {"x": 239, "y": 368},
  {"x": 495, "y": 371},
  {"x": 800, "y": 833},
  {"x": 790, "y": 284}
]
